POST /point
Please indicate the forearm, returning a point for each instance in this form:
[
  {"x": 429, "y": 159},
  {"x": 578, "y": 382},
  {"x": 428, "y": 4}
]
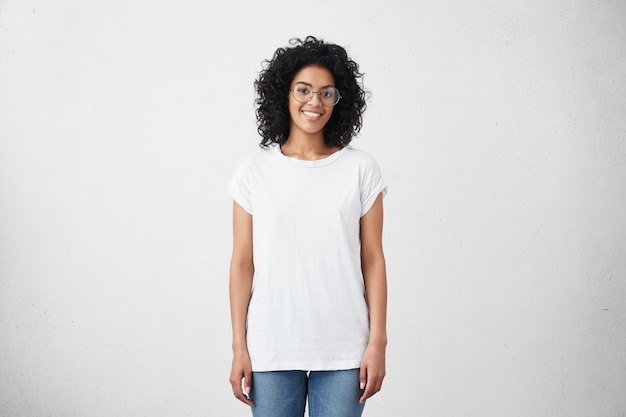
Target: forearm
[
  {"x": 240, "y": 289},
  {"x": 375, "y": 278},
  {"x": 374, "y": 272}
]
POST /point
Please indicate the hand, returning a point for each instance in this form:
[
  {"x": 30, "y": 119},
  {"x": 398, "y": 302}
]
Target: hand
[
  {"x": 372, "y": 370},
  {"x": 241, "y": 377}
]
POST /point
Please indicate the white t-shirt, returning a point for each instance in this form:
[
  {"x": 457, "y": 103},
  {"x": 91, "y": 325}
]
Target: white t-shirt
[{"x": 307, "y": 309}]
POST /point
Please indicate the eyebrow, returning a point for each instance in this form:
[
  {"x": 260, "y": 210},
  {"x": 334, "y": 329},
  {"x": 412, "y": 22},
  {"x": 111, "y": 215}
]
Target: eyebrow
[{"x": 310, "y": 85}]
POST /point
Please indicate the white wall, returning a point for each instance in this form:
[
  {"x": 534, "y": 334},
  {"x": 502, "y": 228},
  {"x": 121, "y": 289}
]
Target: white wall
[{"x": 500, "y": 127}]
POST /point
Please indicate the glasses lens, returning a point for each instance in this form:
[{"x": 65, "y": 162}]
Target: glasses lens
[
  {"x": 302, "y": 93},
  {"x": 329, "y": 96}
]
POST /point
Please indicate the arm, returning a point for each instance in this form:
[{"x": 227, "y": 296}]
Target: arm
[
  {"x": 241, "y": 273},
  {"x": 375, "y": 278}
]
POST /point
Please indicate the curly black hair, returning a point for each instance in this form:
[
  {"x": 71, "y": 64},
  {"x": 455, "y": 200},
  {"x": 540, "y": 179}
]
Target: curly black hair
[{"x": 275, "y": 79}]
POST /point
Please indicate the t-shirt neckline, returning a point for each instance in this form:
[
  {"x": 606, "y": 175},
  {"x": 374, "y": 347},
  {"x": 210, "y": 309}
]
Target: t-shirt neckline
[{"x": 312, "y": 163}]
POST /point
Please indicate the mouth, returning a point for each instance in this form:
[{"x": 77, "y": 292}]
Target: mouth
[{"x": 311, "y": 115}]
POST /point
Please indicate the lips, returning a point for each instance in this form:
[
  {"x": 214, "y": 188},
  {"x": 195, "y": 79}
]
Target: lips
[{"x": 311, "y": 114}]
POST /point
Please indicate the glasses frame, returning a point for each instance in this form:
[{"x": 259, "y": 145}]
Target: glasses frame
[{"x": 310, "y": 96}]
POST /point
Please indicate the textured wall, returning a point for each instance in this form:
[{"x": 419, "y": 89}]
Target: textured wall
[{"x": 500, "y": 128}]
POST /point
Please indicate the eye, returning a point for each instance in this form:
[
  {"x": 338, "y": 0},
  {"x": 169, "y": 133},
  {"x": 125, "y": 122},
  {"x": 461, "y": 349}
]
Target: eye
[
  {"x": 327, "y": 93},
  {"x": 303, "y": 90}
]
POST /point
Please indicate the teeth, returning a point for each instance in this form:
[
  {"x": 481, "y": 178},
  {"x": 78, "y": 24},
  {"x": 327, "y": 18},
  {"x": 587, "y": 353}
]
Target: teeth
[{"x": 311, "y": 114}]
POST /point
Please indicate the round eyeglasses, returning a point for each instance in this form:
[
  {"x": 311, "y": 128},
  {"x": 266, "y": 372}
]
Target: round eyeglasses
[{"x": 303, "y": 93}]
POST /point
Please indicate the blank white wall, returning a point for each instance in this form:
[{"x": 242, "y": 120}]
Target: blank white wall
[{"x": 500, "y": 128}]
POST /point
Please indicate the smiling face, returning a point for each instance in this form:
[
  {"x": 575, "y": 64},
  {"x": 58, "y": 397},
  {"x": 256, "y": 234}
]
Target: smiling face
[{"x": 309, "y": 118}]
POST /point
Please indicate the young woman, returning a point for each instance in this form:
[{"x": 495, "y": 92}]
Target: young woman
[{"x": 308, "y": 288}]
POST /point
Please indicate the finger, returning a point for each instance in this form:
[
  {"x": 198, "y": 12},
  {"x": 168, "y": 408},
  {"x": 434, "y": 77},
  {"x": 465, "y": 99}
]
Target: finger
[
  {"x": 247, "y": 386},
  {"x": 362, "y": 377},
  {"x": 245, "y": 400},
  {"x": 238, "y": 392},
  {"x": 363, "y": 382},
  {"x": 247, "y": 382},
  {"x": 367, "y": 393},
  {"x": 373, "y": 385}
]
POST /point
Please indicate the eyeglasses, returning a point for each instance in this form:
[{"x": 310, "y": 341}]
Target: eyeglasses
[{"x": 303, "y": 93}]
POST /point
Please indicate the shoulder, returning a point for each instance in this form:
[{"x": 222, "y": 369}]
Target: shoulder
[
  {"x": 360, "y": 157},
  {"x": 359, "y": 154},
  {"x": 256, "y": 158}
]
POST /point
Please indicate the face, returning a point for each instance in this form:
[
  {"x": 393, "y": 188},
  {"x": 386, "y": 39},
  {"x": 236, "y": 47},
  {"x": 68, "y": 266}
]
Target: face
[{"x": 310, "y": 117}]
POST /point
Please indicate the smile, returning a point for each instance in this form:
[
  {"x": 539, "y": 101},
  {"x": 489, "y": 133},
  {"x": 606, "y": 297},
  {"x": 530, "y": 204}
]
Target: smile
[{"x": 311, "y": 114}]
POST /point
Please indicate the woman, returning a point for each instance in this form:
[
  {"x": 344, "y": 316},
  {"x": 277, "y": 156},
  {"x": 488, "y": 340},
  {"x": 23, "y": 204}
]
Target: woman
[{"x": 308, "y": 287}]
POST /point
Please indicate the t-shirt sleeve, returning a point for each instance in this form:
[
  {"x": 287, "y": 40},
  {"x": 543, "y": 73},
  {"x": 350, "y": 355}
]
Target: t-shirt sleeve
[
  {"x": 239, "y": 187},
  {"x": 372, "y": 184}
]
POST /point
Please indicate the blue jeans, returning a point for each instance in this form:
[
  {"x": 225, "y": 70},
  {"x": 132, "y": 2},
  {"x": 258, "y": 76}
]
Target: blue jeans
[{"x": 284, "y": 393}]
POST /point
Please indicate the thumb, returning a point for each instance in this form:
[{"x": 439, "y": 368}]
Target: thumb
[
  {"x": 247, "y": 382},
  {"x": 362, "y": 377}
]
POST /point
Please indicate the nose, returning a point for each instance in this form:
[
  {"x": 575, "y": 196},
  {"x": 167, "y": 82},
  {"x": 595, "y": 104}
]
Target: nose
[{"x": 316, "y": 98}]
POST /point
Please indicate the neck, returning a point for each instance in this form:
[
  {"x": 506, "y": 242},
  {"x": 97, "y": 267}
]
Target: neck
[{"x": 308, "y": 147}]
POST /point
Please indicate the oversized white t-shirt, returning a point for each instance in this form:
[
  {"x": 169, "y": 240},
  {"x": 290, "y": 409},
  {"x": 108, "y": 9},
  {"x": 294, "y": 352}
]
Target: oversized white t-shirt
[{"x": 307, "y": 309}]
